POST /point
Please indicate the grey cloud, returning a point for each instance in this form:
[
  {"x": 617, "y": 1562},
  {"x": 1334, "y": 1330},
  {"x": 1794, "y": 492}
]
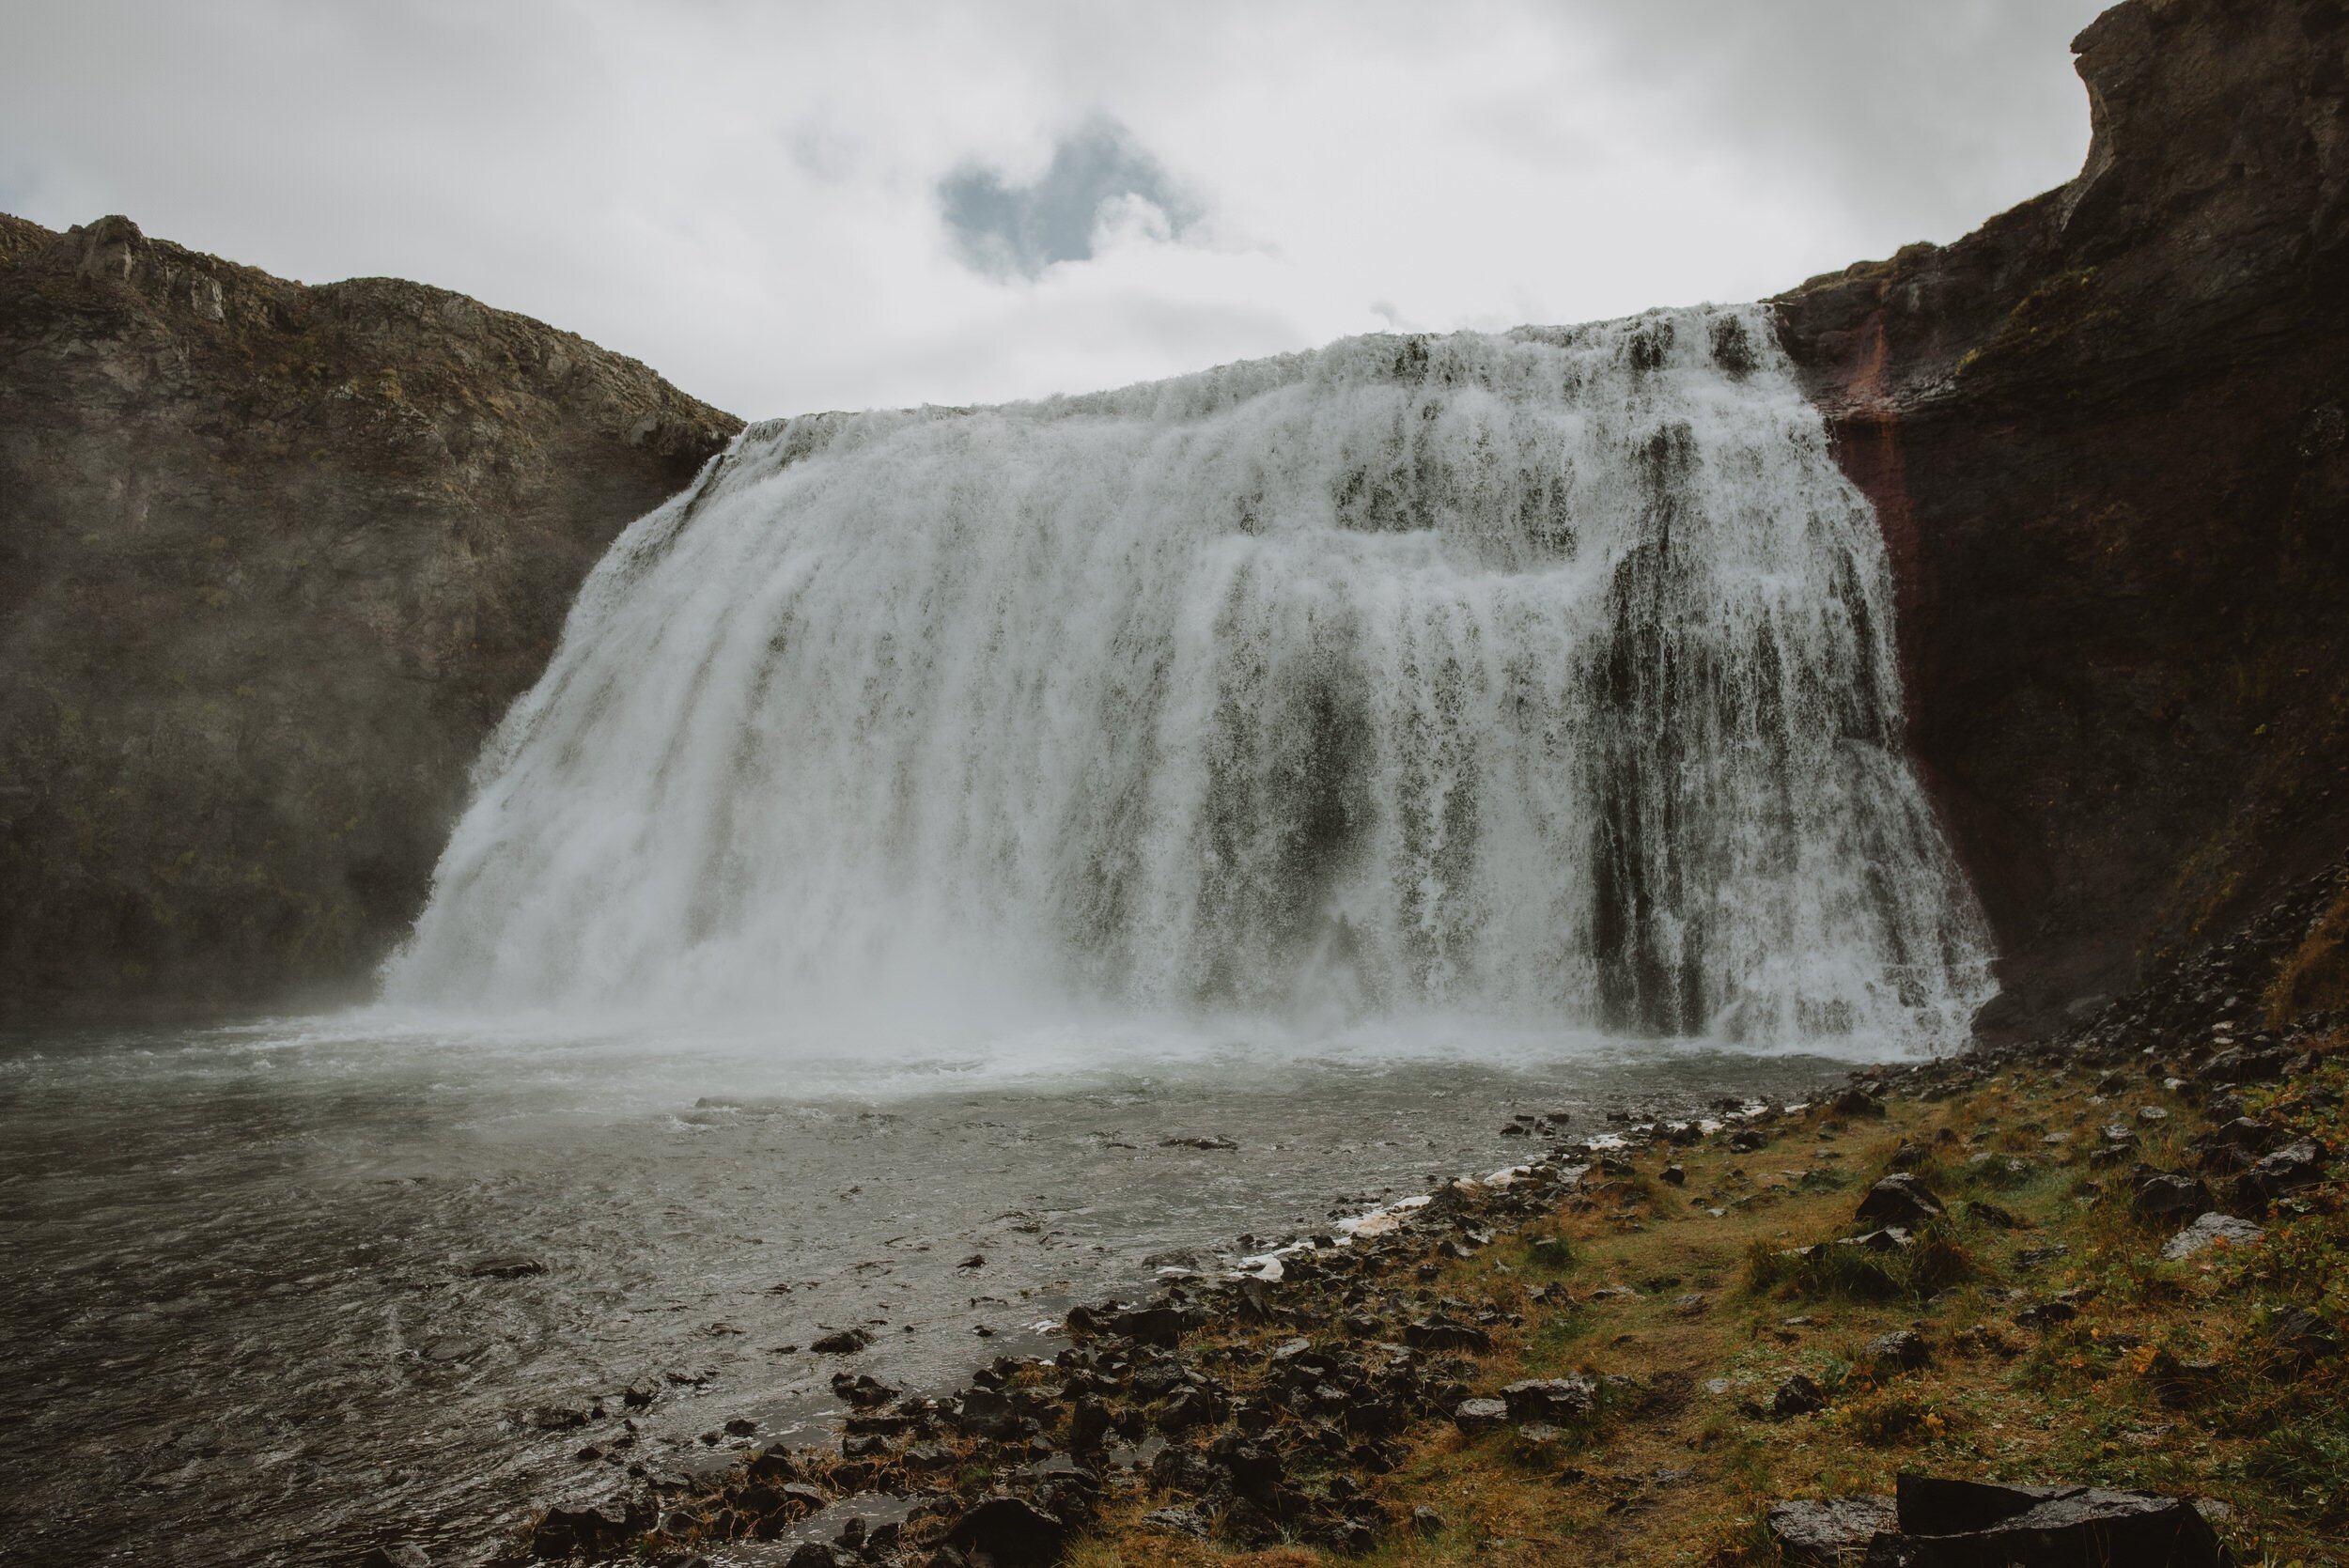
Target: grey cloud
[
  {"x": 1003, "y": 230},
  {"x": 1926, "y": 116}
]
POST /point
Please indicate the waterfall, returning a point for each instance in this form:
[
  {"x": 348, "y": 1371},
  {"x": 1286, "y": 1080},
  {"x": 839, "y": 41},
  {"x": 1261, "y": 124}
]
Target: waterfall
[{"x": 1545, "y": 676}]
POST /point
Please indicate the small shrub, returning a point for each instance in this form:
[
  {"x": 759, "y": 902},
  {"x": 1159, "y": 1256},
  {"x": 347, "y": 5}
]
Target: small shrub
[
  {"x": 2305, "y": 1460},
  {"x": 1934, "y": 1261},
  {"x": 1549, "y": 1255}
]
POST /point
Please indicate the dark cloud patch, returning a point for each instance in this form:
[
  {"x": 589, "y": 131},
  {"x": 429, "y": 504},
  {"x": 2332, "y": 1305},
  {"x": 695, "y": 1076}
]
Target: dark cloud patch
[{"x": 1017, "y": 230}]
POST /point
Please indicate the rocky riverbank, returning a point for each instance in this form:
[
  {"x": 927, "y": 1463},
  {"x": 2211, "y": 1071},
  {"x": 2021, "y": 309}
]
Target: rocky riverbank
[{"x": 2020, "y": 1301}]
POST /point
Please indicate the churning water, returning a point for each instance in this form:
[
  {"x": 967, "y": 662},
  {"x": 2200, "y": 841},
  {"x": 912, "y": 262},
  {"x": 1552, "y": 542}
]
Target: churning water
[{"x": 1545, "y": 676}]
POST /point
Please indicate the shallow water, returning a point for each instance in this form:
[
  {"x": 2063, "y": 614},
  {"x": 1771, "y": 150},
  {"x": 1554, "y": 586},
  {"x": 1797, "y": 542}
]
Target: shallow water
[{"x": 239, "y": 1316}]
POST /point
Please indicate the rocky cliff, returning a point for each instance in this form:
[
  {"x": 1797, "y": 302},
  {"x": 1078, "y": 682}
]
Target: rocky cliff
[
  {"x": 272, "y": 560},
  {"x": 2106, "y": 437}
]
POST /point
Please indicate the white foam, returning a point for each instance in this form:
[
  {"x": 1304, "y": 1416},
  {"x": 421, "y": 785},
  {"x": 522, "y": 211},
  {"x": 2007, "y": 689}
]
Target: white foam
[{"x": 1544, "y": 677}]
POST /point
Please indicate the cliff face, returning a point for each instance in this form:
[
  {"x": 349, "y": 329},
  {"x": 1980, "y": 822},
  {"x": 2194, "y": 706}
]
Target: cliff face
[
  {"x": 2105, "y": 436},
  {"x": 272, "y": 560}
]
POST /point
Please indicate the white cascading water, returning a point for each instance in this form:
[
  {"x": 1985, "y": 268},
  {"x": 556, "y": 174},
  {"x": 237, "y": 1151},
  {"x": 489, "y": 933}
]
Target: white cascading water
[{"x": 1545, "y": 676}]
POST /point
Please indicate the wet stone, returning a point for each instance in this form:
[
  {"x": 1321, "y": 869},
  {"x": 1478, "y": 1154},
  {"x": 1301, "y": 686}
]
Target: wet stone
[
  {"x": 2209, "y": 1231},
  {"x": 1476, "y": 1416},
  {"x": 1898, "y": 1351},
  {"x": 1899, "y": 1199},
  {"x": 1797, "y": 1396},
  {"x": 1829, "y": 1534},
  {"x": 2163, "y": 1193},
  {"x": 1185, "y": 1522},
  {"x": 1011, "y": 1532}
]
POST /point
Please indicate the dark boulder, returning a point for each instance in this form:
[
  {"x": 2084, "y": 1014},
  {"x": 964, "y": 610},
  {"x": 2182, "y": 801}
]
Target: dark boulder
[
  {"x": 1896, "y": 1352},
  {"x": 1159, "y": 1326},
  {"x": 1476, "y": 1416},
  {"x": 1440, "y": 1332},
  {"x": 1900, "y": 1198},
  {"x": 1797, "y": 1396},
  {"x": 596, "y": 1529},
  {"x": 1009, "y": 1532},
  {"x": 1963, "y": 1524},
  {"x": 1561, "y": 1401},
  {"x": 2160, "y": 1194},
  {"x": 1254, "y": 1470},
  {"x": 2300, "y": 1338},
  {"x": 2246, "y": 1064},
  {"x": 2297, "y": 1165}
]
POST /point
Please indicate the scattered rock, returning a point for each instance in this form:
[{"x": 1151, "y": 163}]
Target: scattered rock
[
  {"x": 841, "y": 1341},
  {"x": 2045, "y": 1314},
  {"x": 1185, "y": 1522},
  {"x": 1963, "y": 1524},
  {"x": 2301, "y": 1338},
  {"x": 1477, "y": 1417},
  {"x": 1900, "y": 1198},
  {"x": 2161, "y": 1193},
  {"x": 2207, "y": 1231},
  {"x": 2297, "y": 1165},
  {"x": 512, "y": 1267},
  {"x": 1556, "y": 1400},
  {"x": 2244, "y": 1064},
  {"x": 1445, "y": 1333},
  {"x": 1830, "y": 1533},
  {"x": 1011, "y": 1532},
  {"x": 1206, "y": 1142},
  {"x": 596, "y": 1529},
  {"x": 1895, "y": 1352},
  {"x": 1164, "y": 1326},
  {"x": 1797, "y": 1396}
]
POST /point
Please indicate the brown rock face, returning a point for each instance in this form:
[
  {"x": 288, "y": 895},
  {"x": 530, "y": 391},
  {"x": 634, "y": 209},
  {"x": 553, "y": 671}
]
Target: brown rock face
[
  {"x": 2106, "y": 435},
  {"x": 272, "y": 560}
]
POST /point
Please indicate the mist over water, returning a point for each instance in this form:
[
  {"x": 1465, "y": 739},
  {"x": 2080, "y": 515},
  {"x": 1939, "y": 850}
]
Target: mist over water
[{"x": 1543, "y": 679}]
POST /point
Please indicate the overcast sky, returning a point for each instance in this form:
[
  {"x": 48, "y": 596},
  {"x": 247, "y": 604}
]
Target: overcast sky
[{"x": 785, "y": 207}]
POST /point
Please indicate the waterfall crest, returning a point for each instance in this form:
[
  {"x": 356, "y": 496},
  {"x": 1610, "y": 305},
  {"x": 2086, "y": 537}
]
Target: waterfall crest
[{"x": 1547, "y": 675}]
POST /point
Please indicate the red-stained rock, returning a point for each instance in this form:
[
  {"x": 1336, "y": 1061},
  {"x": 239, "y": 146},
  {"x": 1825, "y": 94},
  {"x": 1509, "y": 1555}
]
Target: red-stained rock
[{"x": 2104, "y": 434}]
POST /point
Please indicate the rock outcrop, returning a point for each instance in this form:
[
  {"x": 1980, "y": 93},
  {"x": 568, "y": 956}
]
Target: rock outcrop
[
  {"x": 272, "y": 560},
  {"x": 2106, "y": 434}
]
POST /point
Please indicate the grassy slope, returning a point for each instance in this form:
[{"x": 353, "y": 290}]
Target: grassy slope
[{"x": 1681, "y": 1476}]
